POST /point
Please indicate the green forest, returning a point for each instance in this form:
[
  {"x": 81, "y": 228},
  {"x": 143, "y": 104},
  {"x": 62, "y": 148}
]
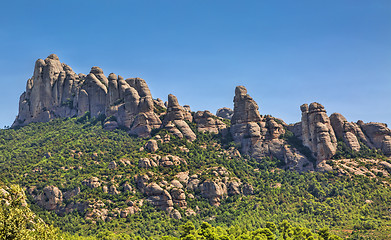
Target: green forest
[{"x": 283, "y": 205}]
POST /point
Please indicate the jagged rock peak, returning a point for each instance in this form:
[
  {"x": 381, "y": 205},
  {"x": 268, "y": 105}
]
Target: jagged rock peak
[
  {"x": 175, "y": 119},
  {"x": 53, "y": 56},
  {"x": 56, "y": 91},
  {"x": 317, "y": 132},
  {"x": 172, "y": 101},
  {"x": 225, "y": 112},
  {"x": 316, "y": 107},
  {"x": 112, "y": 76},
  {"x": 96, "y": 70},
  {"x": 259, "y": 136},
  {"x": 245, "y": 108}
]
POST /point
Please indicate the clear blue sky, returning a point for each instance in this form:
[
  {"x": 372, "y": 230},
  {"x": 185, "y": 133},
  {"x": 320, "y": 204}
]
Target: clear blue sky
[{"x": 286, "y": 53}]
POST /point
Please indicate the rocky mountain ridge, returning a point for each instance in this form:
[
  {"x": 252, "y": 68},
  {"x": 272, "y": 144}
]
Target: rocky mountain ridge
[{"x": 56, "y": 91}]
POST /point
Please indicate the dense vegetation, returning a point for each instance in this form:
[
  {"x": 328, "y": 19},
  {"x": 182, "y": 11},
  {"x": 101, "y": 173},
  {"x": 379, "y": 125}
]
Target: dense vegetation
[
  {"x": 65, "y": 152},
  {"x": 17, "y": 221}
]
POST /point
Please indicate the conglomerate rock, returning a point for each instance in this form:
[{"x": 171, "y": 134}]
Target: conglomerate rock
[
  {"x": 175, "y": 119},
  {"x": 317, "y": 133},
  {"x": 207, "y": 122},
  {"x": 225, "y": 112},
  {"x": 50, "y": 198},
  {"x": 56, "y": 91},
  {"x": 260, "y": 136}
]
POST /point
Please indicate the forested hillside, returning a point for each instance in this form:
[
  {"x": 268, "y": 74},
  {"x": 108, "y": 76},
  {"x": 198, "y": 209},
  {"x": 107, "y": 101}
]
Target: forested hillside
[{"x": 88, "y": 181}]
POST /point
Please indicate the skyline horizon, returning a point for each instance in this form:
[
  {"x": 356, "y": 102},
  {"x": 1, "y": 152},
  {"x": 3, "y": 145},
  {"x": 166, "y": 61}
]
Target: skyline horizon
[
  {"x": 285, "y": 53},
  {"x": 214, "y": 111}
]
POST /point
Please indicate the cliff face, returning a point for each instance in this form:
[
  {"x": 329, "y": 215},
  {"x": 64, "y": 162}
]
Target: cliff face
[
  {"x": 260, "y": 136},
  {"x": 55, "y": 91}
]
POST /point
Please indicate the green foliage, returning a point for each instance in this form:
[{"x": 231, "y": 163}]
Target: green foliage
[
  {"x": 344, "y": 152},
  {"x": 17, "y": 221},
  {"x": 159, "y": 109},
  {"x": 81, "y": 149},
  {"x": 68, "y": 102},
  {"x": 298, "y": 144}
]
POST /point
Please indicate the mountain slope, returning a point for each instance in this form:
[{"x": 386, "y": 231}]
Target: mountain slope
[{"x": 85, "y": 179}]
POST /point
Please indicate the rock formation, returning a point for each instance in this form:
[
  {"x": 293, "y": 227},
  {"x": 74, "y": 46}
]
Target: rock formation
[
  {"x": 347, "y": 131},
  {"x": 50, "y": 198},
  {"x": 207, "y": 122},
  {"x": 225, "y": 112},
  {"x": 379, "y": 135},
  {"x": 50, "y": 93},
  {"x": 320, "y": 134},
  {"x": 373, "y": 135},
  {"x": 175, "y": 119},
  {"x": 260, "y": 136},
  {"x": 317, "y": 133},
  {"x": 56, "y": 91}
]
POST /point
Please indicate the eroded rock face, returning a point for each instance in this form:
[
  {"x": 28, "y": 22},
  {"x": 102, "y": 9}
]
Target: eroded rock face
[
  {"x": 207, "y": 122},
  {"x": 50, "y": 198},
  {"x": 50, "y": 93},
  {"x": 317, "y": 133},
  {"x": 56, "y": 91},
  {"x": 175, "y": 120},
  {"x": 92, "y": 182},
  {"x": 214, "y": 191},
  {"x": 379, "y": 135},
  {"x": 346, "y": 131},
  {"x": 225, "y": 112},
  {"x": 151, "y": 145},
  {"x": 373, "y": 135},
  {"x": 245, "y": 108},
  {"x": 259, "y": 136},
  {"x": 157, "y": 196}
]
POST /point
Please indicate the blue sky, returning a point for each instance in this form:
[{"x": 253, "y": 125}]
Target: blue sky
[{"x": 286, "y": 53}]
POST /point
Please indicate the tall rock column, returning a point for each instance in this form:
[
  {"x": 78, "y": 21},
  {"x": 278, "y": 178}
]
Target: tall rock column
[
  {"x": 50, "y": 93},
  {"x": 146, "y": 119},
  {"x": 317, "y": 133},
  {"x": 175, "y": 119},
  {"x": 95, "y": 92},
  {"x": 260, "y": 136}
]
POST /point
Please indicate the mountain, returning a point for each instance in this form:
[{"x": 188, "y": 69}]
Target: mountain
[
  {"x": 97, "y": 153},
  {"x": 55, "y": 91}
]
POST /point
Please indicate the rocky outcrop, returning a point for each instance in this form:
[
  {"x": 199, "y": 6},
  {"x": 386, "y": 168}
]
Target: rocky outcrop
[
  {"x": 151, "y": 146},
  {"x": 50, "y": 198},
  {"x": 92, "y": 182},
  {"x": 56, "y": 91},
  {"x": 320, "y": 133},
  {"x": 207, "y": 122},
  {"x": 146, "y": 163},
  {"x": 225, "y": 112},
  {"x": 175, "y": 120},
  {"x": 157, "y": 196},
  {"x": 94, "y": 91},
  {"x": 373, "y": 135},
  {"x": 260, "y": 136},
  {"x": 347, "y": 131},
  {"x": 379, "y": 135},
  {"x": 317, "y": 133},
  {"x": 157, "y": 160},
  {"x": 214, "y": 191},
  {"x": 50, "y": 93}
]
